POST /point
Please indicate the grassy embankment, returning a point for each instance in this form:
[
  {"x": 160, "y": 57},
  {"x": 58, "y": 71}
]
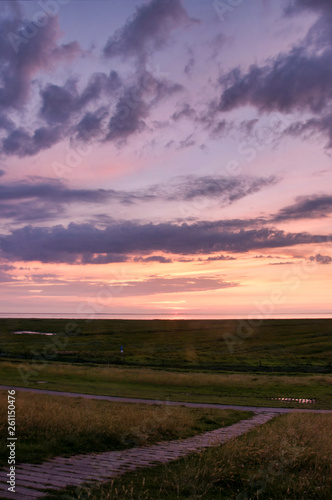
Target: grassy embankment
[
  {"x": 223, "y": 388},
  {"x": 287, "y": 459},
  {"x": 204, "y": 361},
  {"x": 49, "y": 426}
]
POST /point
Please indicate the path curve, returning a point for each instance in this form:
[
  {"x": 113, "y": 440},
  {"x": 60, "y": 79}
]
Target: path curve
[
  {"x": 32, "y": 481},
  {"x": 256, "y": 409}
]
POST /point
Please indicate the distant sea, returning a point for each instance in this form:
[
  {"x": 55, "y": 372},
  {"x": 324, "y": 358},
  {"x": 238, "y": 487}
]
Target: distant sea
[{"x": 170, "y": 316}]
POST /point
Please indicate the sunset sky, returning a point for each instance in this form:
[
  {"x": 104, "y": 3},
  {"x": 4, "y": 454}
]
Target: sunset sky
[{"x": 166, "y": 157}]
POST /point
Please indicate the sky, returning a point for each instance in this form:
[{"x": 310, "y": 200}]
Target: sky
[{"x": 166, "y": 157}]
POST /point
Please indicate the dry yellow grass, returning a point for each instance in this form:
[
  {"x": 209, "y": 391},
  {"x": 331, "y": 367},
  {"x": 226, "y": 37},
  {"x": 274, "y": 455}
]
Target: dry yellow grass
[
  {"x": 236, "y": 388},
  {"x": 287, "y": 459},
  {"x": 54, "y": 425},
  {"x": 159, "y": 377}
]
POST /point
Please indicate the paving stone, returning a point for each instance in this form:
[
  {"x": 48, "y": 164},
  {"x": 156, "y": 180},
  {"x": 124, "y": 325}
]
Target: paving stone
[
  {"x": 21, "y": 492},
  {"x": 62, "y": 471}
]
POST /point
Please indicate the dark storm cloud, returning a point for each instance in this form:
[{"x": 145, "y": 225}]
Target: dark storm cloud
[
  {"x": 148, "y": 29},
  {"x": 2, "y": 172},
  {"x": 321, "y": 259},
  {"x": 306, "y": 207},
  {"x": 60, "y": 244}
]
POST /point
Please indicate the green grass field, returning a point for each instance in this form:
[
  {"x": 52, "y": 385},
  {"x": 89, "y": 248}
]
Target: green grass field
[
  {"x": 223, "y": 388},
  {"x": 176, "y": 360},
  {"x": 287, "y": 459},
  {"x": 228, "y": 345}
]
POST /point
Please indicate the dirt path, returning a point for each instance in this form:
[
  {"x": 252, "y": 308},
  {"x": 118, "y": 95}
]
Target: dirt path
[
  {"x": 33, "y": 480},
  {"x": 256, "y": 409}
]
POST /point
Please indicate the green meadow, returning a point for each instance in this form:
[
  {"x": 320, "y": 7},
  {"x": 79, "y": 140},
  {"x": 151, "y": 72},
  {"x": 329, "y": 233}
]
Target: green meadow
[
  {"x": 229, "y": 345},
  {"x": 204, "y": 387},
  {"x": 199, "y": 361}
]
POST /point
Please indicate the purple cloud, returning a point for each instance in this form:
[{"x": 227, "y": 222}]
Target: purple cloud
[
  {"x": 321, "y": 259},
  {"x": 60, "y": 244},
  {"x": 306, "y": 207},
  {"x": 295, "y": 81},
  {"x": 25, "y": 50},
  {"x": 147, "y": 30}
]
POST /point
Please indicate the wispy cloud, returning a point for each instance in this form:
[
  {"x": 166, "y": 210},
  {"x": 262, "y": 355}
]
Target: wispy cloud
[
  {"x": 42, "y": 199},
  {"x": 306, "y": 207},
  {"x": 147, "y": 30},
  {"x": 169, "y": 284}
]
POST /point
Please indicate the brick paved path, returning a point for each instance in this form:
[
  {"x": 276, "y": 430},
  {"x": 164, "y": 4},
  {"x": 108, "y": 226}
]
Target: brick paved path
[{"x": 33, "y": 480}]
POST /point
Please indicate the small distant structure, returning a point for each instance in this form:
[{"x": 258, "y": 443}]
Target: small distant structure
[{"x": 121, "y": 350}]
